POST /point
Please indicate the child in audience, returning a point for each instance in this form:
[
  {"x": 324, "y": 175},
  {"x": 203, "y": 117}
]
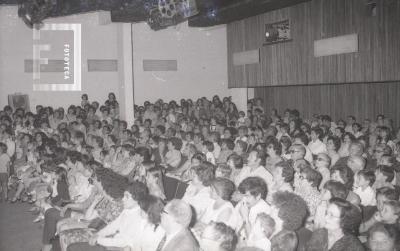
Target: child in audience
[
  {"x": 242, "y": 119},
  {"x": 254, "y": 191},
  {"x": 363, "y": 187},
  {"x": 383, "y": 196},
  {"x": 84, "y": 100},
  {"x": 208, "y": 148},
  {"x": 261, "y": 232},
  {"x": 242, "y": 134},
  {"x": 384, "y": 176},
  {"x": 215, "y": 138},
  {"x": 390, "y": 213}
]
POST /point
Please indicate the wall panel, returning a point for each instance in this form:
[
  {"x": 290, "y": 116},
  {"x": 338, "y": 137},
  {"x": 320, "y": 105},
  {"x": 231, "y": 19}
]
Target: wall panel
[
  {"x": 363, "y": 100},
  {"x": 293, "y": 63}
]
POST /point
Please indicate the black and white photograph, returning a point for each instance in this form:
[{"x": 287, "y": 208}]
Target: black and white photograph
[{"x": 199, "y": 125}]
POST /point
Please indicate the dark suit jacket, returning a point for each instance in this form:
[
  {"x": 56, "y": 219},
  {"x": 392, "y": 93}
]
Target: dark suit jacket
[{"x": 183, "y": 241}]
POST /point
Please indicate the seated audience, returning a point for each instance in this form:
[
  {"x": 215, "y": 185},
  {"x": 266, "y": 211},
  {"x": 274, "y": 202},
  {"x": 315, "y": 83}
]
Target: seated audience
[{"x": 248, "y": 181}]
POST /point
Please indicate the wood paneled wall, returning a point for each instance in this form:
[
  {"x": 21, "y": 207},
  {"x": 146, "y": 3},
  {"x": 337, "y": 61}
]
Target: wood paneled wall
[
  {"x": 338, "y": 100},
  {"x": 293, "y": 63}
]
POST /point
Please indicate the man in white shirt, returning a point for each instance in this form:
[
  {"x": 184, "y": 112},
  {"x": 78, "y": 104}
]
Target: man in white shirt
[
  {"x": 255, "y": 169},
  {"x": 254, "y": 191}
]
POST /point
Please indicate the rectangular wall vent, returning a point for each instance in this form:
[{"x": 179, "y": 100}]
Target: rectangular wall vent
[
  {"x": 160, "y": 65},
  {"x": 102, "y": 65},
  {"x": 336, "y": 45},
  {"x": 246, "y": 57}
]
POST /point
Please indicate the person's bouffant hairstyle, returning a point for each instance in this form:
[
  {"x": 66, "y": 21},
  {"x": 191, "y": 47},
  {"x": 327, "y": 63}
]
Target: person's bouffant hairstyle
[
  {"x": 346, "y": 174},
  {"x": 302, "y": 137},
  {"x": 350, "y": 216},
  {"x": 284, "y": 241},
  {"x": 74, "y": 156},
  {"x": 387, "y": 171},
  {"x": 336, "y": 142},
  {"x": 144, "y": 152},
  {"x": 224, "y": 235},
  {"x": 292, "y": 209},
  {"x": 176, "y": 142},
  {"x": 389, "y": 193},
  {"x": 237, "y": 160},
  {"x": 312, "y": 176},
  {"x": 138, "y": 190},
  {"x": 153, "y": 206},
  {"x": 201, "y": 157},
  {"x": 337, "y": 189},
  {"x": 350, "y": 135},
  {"x": 287, "y": 171},
  {"x": 318, "y": 131},
  {"x": 113, "y": 184},
  {"x": 205, "y": 172},
  {"x": 286, "y": 141},
  {"x": 209, "y": 145},
  {"x": 255, "y": 185},
  {"x": 276, "y": 145},
  {"x": 223, "y": 187}
]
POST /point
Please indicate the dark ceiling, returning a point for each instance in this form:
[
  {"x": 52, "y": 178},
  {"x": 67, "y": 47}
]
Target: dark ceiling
[{"x": 210, "y": 12}]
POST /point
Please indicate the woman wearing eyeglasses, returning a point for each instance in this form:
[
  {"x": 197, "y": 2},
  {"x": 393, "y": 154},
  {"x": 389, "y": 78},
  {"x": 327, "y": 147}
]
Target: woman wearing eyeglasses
[
  {"x": 342, "y": 220},
  {"x": 384, "y": 237},
  {"x": 321, "y": 164}
]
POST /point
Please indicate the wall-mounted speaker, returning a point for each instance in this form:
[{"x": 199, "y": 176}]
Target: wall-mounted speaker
[
  {"x": 18, "y": 100},
  {"x": 277, "y": 32}
]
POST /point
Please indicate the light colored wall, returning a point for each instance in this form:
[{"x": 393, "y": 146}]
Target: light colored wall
[
  {"x": 201, "y": 56},
  {"x": 16, "y": 45}
]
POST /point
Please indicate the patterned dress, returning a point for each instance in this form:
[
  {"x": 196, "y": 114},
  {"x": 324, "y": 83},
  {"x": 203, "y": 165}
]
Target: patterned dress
[{"x": 107, "y": 211}]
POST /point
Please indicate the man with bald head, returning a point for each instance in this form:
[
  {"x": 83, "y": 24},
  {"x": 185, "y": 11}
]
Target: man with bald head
[{"x": 175, "y": 220}]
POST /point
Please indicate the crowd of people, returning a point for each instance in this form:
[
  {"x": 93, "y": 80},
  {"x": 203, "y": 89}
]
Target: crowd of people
[{"x": 202, "y": 176}]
